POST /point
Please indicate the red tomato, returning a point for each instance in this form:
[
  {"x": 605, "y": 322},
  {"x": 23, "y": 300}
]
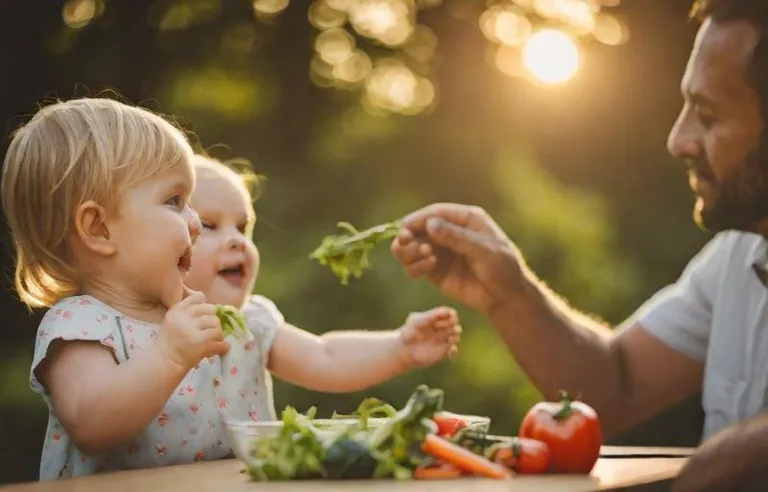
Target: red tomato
[
  {"x": 572, "y": 431},
  {"x": 448, "y": 426},
  {"x": 523, "y": 456}
]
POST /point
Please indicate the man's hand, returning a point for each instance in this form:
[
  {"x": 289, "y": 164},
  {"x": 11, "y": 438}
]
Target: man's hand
[
  {"x": 462, "y": 251},
  {"x": 734, "y": 460}
]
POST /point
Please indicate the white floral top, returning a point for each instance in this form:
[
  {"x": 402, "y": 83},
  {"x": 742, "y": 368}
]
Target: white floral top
[{"x": 190, "y": 427}]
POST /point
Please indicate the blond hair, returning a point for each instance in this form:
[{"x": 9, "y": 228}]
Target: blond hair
[
  {"x": 237, "y": 171},
  {"x": 68, "y": 153}
]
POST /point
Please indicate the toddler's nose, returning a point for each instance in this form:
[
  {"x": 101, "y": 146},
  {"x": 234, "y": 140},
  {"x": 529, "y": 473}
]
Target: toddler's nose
[
  {"x": 194, "y": 224},
  {"x": 236, "y": 242}
]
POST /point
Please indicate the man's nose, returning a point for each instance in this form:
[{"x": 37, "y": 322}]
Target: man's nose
[{"x": 683, "y": 141}]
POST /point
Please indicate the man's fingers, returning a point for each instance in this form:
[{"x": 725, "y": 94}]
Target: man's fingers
[
  {"x": 404, "y": 236},
  {"x": 412, "y": 251},
  {"x": 422, "y": 268},
  {"x": 451, "y": 212},
  {"x": 455, "y": 238}
]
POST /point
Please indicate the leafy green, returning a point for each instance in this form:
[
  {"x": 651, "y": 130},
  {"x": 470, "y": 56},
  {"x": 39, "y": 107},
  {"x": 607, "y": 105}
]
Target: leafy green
[
  {"x": 479, "y": 442},
  {"x": 369, "y": 408},
  {"x": 302, "y": 450},
  {"x": 349, "y": 458},
  {"x": 398, "y": 441},
  {"x": 347, "y": 253},
  {"x": 297, "y": 452},
  {"x": 232, "y": 321}
]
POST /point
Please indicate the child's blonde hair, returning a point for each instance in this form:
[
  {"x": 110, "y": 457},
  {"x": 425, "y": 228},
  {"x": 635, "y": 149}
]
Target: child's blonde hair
[
  {"x": 237, "y": 171},
  {"x": 68, "y": 153}
]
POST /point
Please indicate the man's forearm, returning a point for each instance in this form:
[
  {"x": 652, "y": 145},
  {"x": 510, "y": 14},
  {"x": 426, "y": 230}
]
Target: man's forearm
[
  {"x": 561, "y": 349},
  {"x": 734, "y": 460}
]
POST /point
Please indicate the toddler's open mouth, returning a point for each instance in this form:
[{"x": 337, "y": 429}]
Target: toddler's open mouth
[
  {"x": 234, "y": 275},
  {"x": 185, "y": 262}
]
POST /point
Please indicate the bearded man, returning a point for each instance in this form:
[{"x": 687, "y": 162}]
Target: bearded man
[{"x": 708, "y": 331}]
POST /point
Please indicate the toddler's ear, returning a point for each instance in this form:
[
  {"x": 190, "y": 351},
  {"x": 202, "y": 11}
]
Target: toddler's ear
[{"x": 91, "y": 228}]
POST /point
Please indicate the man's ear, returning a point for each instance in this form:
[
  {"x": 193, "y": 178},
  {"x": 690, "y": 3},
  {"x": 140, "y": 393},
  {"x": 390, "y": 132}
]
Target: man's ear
[{"x": 91, "y": 228}]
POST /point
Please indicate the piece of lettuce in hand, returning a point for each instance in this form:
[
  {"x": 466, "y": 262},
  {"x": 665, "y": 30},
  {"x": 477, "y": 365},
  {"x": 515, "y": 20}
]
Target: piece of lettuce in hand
[
  {"x": 347, "y": 253},
  {"x": 232, "y": 322}
]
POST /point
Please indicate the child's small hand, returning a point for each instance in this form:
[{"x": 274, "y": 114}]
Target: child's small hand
[
  {"x": 430, "y": 336},
  {"x": 191, "y": 331}
]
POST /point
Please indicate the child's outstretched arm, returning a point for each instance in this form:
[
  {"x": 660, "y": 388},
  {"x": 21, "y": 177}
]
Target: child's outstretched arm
[
  {"x": 347, "y": 361},
  {"x": 102, "y": 404}
]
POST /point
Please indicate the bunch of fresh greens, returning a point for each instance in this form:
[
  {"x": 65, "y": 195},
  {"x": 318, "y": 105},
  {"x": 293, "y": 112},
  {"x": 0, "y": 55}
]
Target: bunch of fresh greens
[
  {"x": 232, "y": 321},
  {"x": 397, "y": 443},
  {"x": 302, "y": 450},
  {"x": 347, "y": 253}
]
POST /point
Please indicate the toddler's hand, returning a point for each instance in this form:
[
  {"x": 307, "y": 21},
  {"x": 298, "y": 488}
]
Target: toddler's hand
[
  {"x": 191, "y": 331},
  {"x": 430, "y": 336}
]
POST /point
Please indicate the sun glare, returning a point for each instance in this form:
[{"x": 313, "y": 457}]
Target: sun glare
[{"x": 551, "y": 56}]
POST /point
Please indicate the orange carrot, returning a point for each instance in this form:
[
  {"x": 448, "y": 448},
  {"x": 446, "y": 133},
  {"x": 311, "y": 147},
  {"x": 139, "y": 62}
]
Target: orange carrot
[
  {"x": 436, "y": 472},
  {"x": 463, "y": 458}
]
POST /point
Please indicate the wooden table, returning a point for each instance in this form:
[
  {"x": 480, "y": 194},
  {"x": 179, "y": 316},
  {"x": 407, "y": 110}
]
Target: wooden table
[{"x": 643, "y": 470}]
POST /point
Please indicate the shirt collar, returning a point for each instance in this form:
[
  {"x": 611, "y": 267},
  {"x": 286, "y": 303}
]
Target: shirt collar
[{"x": 759, "y": 262}]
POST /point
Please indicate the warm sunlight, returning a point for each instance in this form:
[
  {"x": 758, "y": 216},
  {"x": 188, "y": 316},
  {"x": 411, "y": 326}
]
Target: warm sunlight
[{"x": 551, "y": 56}]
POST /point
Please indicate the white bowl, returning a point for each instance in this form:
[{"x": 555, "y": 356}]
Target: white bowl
[{"x": 242, "y": 434}]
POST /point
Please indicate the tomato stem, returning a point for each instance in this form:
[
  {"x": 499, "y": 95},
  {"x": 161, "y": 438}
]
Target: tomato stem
[
  {"x": 567, "y": 410},
  {"x": 517, "y": 448}
]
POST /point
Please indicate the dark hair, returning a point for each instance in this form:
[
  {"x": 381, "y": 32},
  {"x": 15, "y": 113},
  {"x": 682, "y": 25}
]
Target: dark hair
[{"x": 755, "y": 12}]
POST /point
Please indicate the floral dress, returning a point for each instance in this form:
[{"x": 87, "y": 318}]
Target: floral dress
[{"x": 190, "y": 426}]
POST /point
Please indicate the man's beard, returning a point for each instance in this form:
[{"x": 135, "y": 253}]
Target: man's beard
[{"x": 741, "y": 199}]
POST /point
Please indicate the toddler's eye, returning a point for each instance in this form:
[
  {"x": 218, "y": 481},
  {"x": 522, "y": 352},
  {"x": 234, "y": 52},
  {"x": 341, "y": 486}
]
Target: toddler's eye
[
  {"x": 174, "y": 201},
  {"x": 208, "y": 225},
  {"x": 242, "y": 228}
]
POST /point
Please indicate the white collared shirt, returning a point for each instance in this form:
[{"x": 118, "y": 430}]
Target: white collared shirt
[{"x": 716, "y": 313}]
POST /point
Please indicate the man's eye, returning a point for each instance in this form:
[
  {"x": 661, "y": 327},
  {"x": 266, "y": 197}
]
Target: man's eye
[
  {"x": 706, "y": 118},
  {"x": 707, "y": 121}
]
